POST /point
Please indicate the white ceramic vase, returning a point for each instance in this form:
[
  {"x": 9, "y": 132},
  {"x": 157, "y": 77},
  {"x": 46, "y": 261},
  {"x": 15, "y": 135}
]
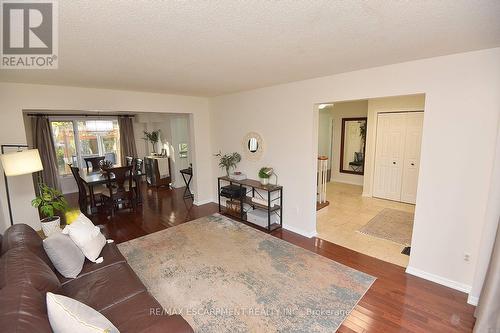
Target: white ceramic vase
[
  {"x": 50, "y": 226},
  {"x": 264, "y": 181}
]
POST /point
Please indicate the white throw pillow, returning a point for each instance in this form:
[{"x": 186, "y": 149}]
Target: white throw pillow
[
  {"x": 65, "y": 254},
  {"x": 69, "y": 315},
  {"x": 87, "y": 237}
]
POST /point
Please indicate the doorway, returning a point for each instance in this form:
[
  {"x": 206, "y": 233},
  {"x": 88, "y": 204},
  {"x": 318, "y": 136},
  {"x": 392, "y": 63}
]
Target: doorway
[{"x": 367, "y": 137}]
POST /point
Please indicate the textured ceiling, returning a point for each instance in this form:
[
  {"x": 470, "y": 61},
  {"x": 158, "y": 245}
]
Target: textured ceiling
[{"x": 221, "y": 46}]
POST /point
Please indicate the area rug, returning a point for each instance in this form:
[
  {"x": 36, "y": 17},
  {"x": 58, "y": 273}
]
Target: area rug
[
  {"x": 224, "y": 276},
  {"x": 391, "y": 224}
]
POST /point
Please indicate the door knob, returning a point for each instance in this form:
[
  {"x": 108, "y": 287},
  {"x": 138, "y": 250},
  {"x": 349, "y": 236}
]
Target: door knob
[
  {"x": 412, "y": 164},
  {"x": 393, "y": 162}
]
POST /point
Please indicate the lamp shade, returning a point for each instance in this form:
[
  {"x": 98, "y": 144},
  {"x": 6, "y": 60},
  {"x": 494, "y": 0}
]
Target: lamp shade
[{"x": 21, "y": 163}]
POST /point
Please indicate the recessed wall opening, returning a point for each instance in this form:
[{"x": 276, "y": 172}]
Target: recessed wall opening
[
  {"x": 81, "y": 135},
  {"x": 368, "y": 165}
]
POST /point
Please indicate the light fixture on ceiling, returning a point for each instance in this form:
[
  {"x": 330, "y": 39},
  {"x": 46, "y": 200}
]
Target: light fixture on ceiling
[{"x": 322, "y": 106}]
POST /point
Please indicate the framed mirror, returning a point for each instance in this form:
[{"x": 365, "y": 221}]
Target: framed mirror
[
  {"x": 352, "y": 145},
  {"x": 252, "y": 146}
]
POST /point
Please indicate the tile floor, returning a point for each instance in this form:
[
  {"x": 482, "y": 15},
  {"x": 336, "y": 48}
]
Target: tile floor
[{"x": 348, "y": 212}]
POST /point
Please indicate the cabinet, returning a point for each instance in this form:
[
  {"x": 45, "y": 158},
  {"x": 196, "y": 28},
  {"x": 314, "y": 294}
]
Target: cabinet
[
  {"x": 397, "y": 156},
  {"x": 157, "y": 171}
]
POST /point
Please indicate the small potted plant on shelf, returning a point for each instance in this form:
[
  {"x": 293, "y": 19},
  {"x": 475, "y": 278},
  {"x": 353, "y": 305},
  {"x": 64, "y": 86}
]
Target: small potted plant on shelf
[
  {"x": 49, "y": 202},
  {"x": 229, "y": 161},
  {"x": 152, "y": 137},
  {"x": 264, "y": 175}
]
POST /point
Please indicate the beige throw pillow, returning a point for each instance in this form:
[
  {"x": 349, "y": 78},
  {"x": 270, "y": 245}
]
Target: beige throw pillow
[
  {"x": 69, "y": 315},
  {"x": 87, "y": 237}
]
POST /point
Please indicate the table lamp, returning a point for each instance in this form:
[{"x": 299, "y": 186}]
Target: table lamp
[{"x": 18, "y": 163}]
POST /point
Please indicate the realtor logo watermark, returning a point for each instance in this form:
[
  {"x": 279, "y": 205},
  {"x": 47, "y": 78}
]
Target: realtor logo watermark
[{"x": 29, "y": 34}]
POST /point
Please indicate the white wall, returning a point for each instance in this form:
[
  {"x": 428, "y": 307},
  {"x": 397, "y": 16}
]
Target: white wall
[
  {"x": 492, "y": 220},
  {"x": 352, "y": 109},
  {"x": 376, "y": 106},
  {"x": 16, "y": 97},
  {"x": 179, "y": 125},
  {"x": 325, "y": 134},
  {"x": 175, "y": 129},
  {"x": 462, "y": 107}
]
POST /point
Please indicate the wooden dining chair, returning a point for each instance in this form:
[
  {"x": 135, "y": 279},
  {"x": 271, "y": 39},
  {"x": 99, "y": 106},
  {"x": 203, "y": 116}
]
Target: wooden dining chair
[
  {"x": 129, "y": 160},
  {"x": 94, "y": 162},
  {"x": 83, "y": 197},
  {"x": 120, "y": 188},
  {"x": 82, "y": 191},
  {"x": 137, "y": 171}
]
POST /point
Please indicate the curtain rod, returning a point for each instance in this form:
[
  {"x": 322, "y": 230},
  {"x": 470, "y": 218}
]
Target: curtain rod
[{"x": 78, "y": 115}]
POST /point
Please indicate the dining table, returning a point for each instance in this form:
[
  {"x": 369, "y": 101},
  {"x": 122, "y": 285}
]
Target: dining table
[
  {"x": 95, "y": 178},
  {"x": 92, "y": 179}
]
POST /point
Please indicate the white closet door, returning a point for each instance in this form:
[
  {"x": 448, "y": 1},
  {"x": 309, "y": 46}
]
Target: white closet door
[
  {"x": 414, "y": 125},
  {"x": 389, "y": 155}
]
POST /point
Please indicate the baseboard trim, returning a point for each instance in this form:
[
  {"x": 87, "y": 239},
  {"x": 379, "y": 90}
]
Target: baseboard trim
[
  {"x": 300, "y": 231},
  {"x": 202, "y": 202},
  {"x": 438, "y": 279},
  {"x": 345, "y": 182},
  {"x": 473, "y": 300}
]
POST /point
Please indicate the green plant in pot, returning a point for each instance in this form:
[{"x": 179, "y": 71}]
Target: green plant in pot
[
  {"x": 153, "y": 137},
  {"x": 229, "y": 161},
  {"x": 49, "y": 202},
  {"x": 264, "y": 175}
]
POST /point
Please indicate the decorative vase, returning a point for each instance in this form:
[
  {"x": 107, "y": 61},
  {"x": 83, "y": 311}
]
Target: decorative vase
[
  {"x": 51, "y": 225},
  {"x": 264, "y": 181}
]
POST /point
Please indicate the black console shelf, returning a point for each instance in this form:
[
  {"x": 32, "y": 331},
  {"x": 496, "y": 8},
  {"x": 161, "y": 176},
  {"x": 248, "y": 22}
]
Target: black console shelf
[{"x": 250, "y": 188}]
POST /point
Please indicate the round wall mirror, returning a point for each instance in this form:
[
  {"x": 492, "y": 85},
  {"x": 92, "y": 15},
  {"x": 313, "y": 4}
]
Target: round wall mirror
[{"x": 253, "y": 146}]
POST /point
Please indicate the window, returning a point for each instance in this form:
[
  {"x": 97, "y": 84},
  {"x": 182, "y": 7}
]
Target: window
[
  {"x": 64, "y": 142},
  {"x": 76, "y": 139}
]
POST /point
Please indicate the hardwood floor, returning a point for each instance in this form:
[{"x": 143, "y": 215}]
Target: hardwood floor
[{"x": 396, "y": 302}]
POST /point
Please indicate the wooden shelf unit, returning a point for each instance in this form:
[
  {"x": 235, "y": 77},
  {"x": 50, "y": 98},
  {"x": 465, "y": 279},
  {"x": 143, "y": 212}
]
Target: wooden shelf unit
[{"x": 252, "y": 188}]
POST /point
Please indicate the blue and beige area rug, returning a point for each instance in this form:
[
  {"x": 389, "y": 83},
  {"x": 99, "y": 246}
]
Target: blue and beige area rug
[{"x": 223, "y": 276}]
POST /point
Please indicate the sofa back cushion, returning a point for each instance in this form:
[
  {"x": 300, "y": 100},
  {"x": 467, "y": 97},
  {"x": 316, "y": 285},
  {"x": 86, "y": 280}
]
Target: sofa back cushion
[
  {"x": 23, "y": 309},
  {"x": 19, "y": 265},
  {"x": 24, "y": 235}
]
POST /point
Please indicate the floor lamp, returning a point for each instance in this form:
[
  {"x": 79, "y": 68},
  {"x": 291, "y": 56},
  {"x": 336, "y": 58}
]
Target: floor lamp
[{"x": 21, "y": 162}]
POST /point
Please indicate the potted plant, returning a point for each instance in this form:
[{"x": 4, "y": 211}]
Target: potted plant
[
  {"x": 264, "y": 175},
  {"x": 49, "y": 202},
  {"x": 105, "y": 164},
  {"x": 152, "y": 137},
  {"x": 229, "y": 161}
]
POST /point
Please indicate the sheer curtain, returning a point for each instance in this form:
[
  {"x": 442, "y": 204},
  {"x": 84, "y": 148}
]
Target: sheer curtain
[
  {"x": 44, "y": 142},
  {"x": 127, "y": 139}
]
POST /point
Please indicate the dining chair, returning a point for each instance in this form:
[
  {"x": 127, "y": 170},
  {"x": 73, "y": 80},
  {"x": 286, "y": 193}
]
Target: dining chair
[
  {"x": 82, "y": 191},
  {"x": 120, "y": 188},
  {"x": 94, "y": 162},
  {"x": 129, "y": 160},
  {"x": 83, "y": 197},
  {"x": 137, "y": 171}
]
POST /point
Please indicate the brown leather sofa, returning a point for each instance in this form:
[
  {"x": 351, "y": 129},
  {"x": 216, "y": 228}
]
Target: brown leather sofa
[{"x": 111, "y": 287}]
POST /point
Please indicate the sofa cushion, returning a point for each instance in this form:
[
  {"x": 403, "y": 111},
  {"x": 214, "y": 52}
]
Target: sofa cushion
[
  {"x": 143, "y": 313},
  {"x": 24, "y": 235},
  {"x": 19, "y": 265},
  {"x": 65, "y": 255},
  {"x": 104, "y": 287},
  {"x": 68, "y": 315},
  {"x": 23, "y": 309},
  {"x": 110, "y": 254},
  {"x": 87, "y": 237}
]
